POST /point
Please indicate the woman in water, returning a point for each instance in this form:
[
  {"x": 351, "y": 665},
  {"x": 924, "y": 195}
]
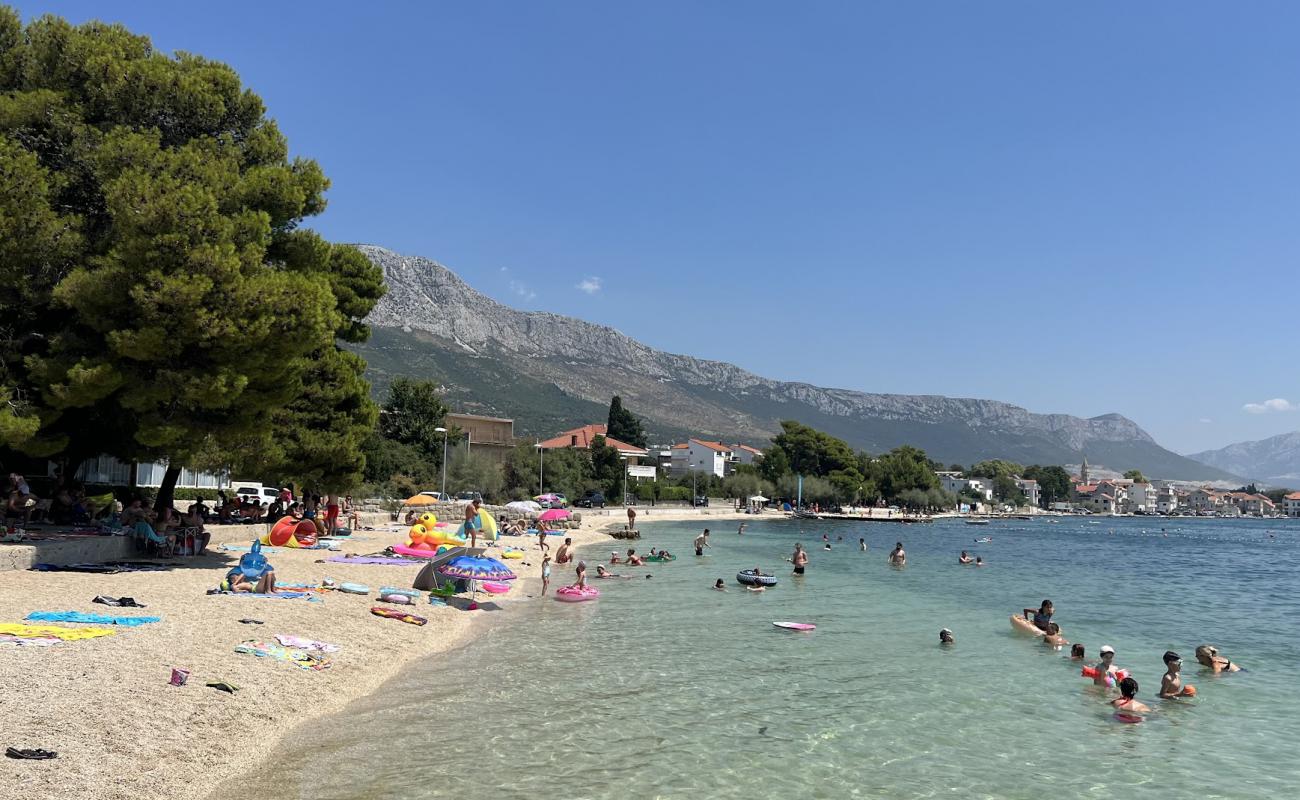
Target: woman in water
[
  {"x": 634, "y": 560},
  {"x": 720, "y": 586},
  {"x": 581, "y": 582},
  {"x": 546, "y": 573},
  {"x": 1042, "y": 616},
  {"x": 965, "y": 558},
  {"x": 1127, "y": 701},
  {"x": 1076, "y": 652},
  {"x": 1207, "y": 655}
]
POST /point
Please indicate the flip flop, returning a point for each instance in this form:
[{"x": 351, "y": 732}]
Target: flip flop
[
  {"x": 222, "y": 686},
  {"x": 14, "y": 752}
]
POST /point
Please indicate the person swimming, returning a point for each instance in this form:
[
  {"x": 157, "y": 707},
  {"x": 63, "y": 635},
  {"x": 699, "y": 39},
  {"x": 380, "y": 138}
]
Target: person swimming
[
  {"x": 1076, "y": 652},
  {"x": 945, "y": 637},
  {"x": 979, "y": 561},
  {"x": 720, "y": 586},
  {"x": 898, "y": 557},
  {"x": 965, "y": 558},
  {"x": 1042, "y": 616},
  {"x": 1127, "y": 701},
  {"x": 1207, "y": 655},
  {"x": 1052, "y": 636},
  {"x": 1105, "y": 669}
]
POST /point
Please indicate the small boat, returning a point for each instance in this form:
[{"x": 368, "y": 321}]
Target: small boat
[
  {"x": 977, "y": 522},
  {"x": 796, "y": 626},
  {"x": 750, "y": 577},
  {"x": 804, "y": 515}
]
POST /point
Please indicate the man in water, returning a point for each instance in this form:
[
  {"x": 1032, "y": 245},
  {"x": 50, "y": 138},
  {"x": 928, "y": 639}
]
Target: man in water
[
  {"x": 862, "y": 544},
  {"x": 945, "y": 637},
  {"x": 965, "y": 558},
  {"x": 1171, "y": 683},
  {"x": 898, "y": 557},
  {"x": 701, "y": 542},
  {"x": 799, "y": 558},
  {"x": 741, "y": 531},
  {"x": 565, "y": 554}
]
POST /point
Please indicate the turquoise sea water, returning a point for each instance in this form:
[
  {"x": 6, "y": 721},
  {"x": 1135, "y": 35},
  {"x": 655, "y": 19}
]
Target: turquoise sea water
[{"x": 666, "y": 688}]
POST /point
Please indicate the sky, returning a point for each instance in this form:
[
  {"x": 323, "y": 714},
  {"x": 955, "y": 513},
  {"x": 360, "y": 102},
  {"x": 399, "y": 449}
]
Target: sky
[{"x": 1077, "y": 208}]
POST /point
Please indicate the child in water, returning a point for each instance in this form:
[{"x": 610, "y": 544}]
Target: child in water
[
  {"x": 945, "y": 637},
  {"x": 546, "y": 573},
  {"x": 720, "y": 586},
  {"x": 1076, "y": 652},
  {"x": 1127, "y": 701}
]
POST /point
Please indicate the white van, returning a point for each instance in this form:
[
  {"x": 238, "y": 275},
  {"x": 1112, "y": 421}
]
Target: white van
[{"x": 248, "y": 491}]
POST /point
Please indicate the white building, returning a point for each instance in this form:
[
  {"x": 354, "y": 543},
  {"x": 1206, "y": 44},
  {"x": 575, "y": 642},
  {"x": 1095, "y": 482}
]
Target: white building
[
  {"x": 744, "y": 454},
  {"x": 955, "y": 483},
  {"x": 1291, "y": 504},
  {"x": 1166, "y": 499},
  {"x": 1029, "y": 488},
  {"x": 696, "y": 455},
  {"x": 1142, "y": 499}
]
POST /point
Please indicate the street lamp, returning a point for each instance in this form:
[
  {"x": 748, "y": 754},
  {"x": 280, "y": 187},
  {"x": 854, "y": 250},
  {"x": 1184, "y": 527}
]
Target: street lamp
[
  {"x": 443, "y": 431},
  {"x": 624, "y": 497}
]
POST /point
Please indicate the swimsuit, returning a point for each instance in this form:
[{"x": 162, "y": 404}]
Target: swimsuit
[{"x": 798, "y": 570}]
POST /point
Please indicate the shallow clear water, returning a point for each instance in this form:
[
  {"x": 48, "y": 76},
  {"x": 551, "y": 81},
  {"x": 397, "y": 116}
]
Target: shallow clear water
[{"x": 666, "y": 688}]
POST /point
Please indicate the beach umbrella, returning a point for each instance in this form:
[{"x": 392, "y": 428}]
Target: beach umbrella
[
  {"x": 525, "y": 506},
  {"x": 553, "y": 515},
  {"x": 758, "y": 498},
  {"x": 476, "y": 568},
  {"x": 419, "y": 500}
]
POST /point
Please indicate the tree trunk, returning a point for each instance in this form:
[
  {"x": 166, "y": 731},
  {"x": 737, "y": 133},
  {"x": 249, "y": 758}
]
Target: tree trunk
[{"x": 168, "y": 489}]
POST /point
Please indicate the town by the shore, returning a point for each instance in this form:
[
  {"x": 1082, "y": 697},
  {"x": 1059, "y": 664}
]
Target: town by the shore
[{"x": 123, "y": 731}]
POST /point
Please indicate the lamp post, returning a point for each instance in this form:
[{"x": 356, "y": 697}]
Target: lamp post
[
  {"x": 623, "y": 460},
  {"x": 443, "y": 431},
  {"x": 541, "y": 463}
]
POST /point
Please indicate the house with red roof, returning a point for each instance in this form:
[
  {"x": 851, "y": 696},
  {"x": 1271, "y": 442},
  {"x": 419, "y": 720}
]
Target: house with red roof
[
  {"x": 1291, "y": 504},
  {"x": 581, "y": 439},
  {"x": 744, "y": 454},
  {"x": 699, "y": 455}
]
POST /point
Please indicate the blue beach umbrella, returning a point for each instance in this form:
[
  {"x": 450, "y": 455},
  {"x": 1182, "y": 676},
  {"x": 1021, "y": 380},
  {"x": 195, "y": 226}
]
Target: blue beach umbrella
[{"x": 476, "y": 568}]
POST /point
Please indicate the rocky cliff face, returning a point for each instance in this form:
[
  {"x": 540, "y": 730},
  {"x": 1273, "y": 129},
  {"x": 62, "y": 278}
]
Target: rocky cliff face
[
  {"x": 1275, "y": 460},
  {"x": 592, "y": 362}
]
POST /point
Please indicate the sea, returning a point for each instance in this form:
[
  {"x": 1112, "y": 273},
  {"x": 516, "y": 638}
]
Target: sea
[{"x": 667, "y": 688}]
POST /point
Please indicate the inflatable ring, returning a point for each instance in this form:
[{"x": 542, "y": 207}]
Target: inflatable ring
[{"x": 576, "y": 594}]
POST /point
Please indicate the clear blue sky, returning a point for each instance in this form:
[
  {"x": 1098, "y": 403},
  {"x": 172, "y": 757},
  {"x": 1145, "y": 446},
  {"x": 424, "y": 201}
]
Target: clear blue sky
[{"x": 1079, "y": 208}]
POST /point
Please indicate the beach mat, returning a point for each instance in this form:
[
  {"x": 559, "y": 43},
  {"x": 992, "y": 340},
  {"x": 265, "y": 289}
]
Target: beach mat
[
  {"x": 386, "y": 560},
  {"x": 92, "y": 619},
  {"x": 52, "y": 631},
  {"x": 302, "y": 659}
]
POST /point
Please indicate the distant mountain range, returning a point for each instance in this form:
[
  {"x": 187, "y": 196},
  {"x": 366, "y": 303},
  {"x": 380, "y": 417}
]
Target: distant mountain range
[
  {"x": 1275, "y": 460},
  {"x": 550, "y": 372}
]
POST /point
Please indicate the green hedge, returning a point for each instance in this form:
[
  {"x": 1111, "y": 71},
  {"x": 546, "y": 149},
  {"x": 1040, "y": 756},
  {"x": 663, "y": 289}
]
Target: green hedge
[{"x": 671, "y": 493}]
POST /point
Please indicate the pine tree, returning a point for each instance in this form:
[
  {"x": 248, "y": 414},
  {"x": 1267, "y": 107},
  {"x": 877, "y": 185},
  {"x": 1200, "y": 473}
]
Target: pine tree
[{"x": 623, "y": 425}]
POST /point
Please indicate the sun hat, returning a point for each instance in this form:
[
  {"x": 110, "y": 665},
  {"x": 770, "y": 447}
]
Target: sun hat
[{"x": 1105, "y": 648}]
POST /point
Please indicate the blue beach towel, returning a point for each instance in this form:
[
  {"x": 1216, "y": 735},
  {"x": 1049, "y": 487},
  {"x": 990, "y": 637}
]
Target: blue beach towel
[{"x": 95, "y": 619}]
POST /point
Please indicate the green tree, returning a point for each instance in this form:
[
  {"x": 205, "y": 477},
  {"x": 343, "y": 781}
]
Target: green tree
[
  {"x": 1136, "y": 476},
  {"x": 812, "y": 452},
  {"x": 901, "y": 469},
  {"x": 623, "y": 425},
  {"x": 1006, "y": 490},
  {"x": 412, "y": 415},
  {"x": 606, "y": 466},
  {"x": 152, "y": 258},
  {"x": 995, "y": 468},
  {"x": 476, "y": 472},
  {"x": 1054, "y": 483},
  {"x": 774, "y": 465}
]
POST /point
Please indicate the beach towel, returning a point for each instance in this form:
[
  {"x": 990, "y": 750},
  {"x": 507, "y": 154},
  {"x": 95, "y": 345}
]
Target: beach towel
[
  {"x": 33, "y": 641},
  {"x": 105, "y": 569},
  {"x": 385, "y": 560},
  {"x": 309, "y": 596},
  {"x": 305, "y": 587},
  {"x": 299, "y": 658},
  {"x": 303, "y": 643},
  {"x": 393, "y": 613},
  {"x": 94, "y": 619},
  {"x": 56, "y": 631}
]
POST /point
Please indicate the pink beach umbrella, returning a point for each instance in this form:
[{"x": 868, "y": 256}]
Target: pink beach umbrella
[{"x": 554, "y": 515}]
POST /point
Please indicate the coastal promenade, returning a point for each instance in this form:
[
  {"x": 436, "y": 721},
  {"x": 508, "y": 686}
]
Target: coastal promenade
[{"x": 137, "y": 736}]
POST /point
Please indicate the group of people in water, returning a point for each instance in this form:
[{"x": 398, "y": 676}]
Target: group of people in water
[{"x": 1105, "y": 673}]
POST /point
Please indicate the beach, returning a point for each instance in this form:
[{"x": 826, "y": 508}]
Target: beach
[{"x": 121, "y": 731}]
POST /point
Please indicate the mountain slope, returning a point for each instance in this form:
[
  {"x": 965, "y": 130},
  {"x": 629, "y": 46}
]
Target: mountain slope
[
  {"x": 551, "y": 372},
  {"x": 1275, "y": 460}
]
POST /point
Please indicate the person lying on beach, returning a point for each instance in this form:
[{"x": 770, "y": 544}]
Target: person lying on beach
[
  {"x": 1127, "y": 702},
  {"x": 239, "y": 582},
  {"x": 1052, "y": 636},
  {"x": 964, "y": 558},
  {"x": 945, "y": 637},
  {"x": 1105, "y": 669},
  {"x": 634, "y": 560},
  {"x": 565, "y": 554},
  {"x": 1076, "y": 652},
  {"x": 1207, "y": 655},
  {"x": 898, "y": 557},
  {"x": 720, "y": 586},
  {"x": 1042, "y": 616}
]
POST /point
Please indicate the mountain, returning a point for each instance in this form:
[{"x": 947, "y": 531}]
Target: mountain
[
  {"x": 551, "y": 372},
  {"x": 1275, "y": 460}
]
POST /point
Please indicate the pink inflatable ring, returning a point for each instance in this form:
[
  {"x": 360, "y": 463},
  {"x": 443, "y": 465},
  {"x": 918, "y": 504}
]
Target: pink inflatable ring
[{"x": 576, "y": 594}]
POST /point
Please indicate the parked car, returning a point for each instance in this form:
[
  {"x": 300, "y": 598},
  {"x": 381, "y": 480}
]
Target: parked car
[
  {"x": 247, "y": 491},
  {"x": 469, "y": 497},
  {"x": 700, "y": 500},
  {"x": 592, "y": 500},
  {"x": 437, "y": 497}
]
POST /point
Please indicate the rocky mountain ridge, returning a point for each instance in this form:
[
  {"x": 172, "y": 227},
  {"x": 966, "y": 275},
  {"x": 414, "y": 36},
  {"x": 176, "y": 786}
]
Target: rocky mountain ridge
[
  {"x": 1275, "y": 460},
  {"x": 433, "y": 306}
]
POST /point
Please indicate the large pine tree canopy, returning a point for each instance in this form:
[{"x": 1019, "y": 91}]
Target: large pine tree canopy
[{"x": 158, "y": 295}]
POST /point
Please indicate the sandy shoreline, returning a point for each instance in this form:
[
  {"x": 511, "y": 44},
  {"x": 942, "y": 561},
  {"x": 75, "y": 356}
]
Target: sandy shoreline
[{"x": 122, "y": 732}]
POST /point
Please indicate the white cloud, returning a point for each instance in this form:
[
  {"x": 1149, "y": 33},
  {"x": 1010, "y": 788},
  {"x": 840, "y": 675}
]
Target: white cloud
[
  {"x": 589, "y": 285},
  {"x": 1276, "y": 404},
  {"x": 521, "y": 289},
  {"x": 1205, "y": 420}
]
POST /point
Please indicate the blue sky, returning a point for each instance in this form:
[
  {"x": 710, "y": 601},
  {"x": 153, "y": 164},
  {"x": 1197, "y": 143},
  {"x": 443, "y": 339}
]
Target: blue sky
[{"x": 1082, "y": 208}]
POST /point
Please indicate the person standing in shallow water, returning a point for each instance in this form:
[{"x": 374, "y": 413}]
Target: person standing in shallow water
[
  {"x": 799, "y": 558},
  {"x": 898, "y": 557},
  {"x": 631, "y": 519}
]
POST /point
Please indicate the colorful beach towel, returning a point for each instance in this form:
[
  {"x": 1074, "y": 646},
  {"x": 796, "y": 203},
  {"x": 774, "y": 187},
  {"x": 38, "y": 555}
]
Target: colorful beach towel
[
  {"x": 92, "y": 619},
  {"x": 303, "y": 643},
  {"x": 59, "y": 632},
  {"x": 393, "y": 613},
  {"x": 299, "y": 658},
  {"x": 308, "y": 596},
  {"x": 386, "y": 560}
]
